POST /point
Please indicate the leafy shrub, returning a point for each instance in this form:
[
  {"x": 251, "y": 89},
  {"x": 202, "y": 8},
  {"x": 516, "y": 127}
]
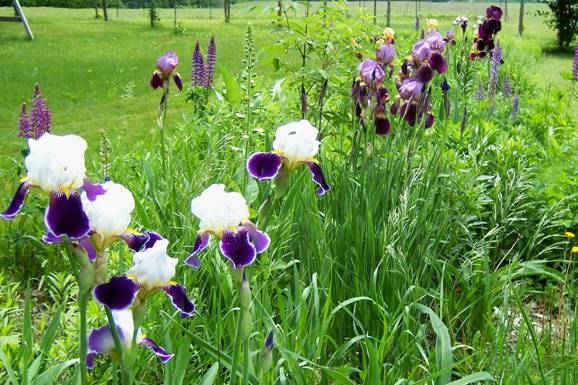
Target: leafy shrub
[{"x": 563, "y": 17}]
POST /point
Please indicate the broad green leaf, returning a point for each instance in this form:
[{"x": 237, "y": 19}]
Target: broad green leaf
[
  {"x": 444, "y": 355},
  {"x": 474, "y": 377},
  {"x": 211, "y": 374},
  {"x": 233, "y": 88}
]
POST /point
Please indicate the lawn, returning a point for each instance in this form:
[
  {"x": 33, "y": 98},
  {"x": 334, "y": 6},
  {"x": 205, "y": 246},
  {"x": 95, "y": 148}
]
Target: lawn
[{"x": 442, "y": 256}]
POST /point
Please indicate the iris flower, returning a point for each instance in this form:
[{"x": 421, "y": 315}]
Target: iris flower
[
  {"x": 166, "y": 66},
  {"x": 118, "y": 295},
  {"x": 55, "y": 165},
  {"x": 225, "y": 215},
  {"x": 295, "y": 144},
  {"x": 487, "y": 30}
]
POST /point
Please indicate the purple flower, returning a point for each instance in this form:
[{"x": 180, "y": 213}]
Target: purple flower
[
  {"x": 416, "y": 26},
  {"x": 479, "y": 95},
  {"x": 493, "y": 12},
  {"x": 199, "y": 74},
  {"x": 436, "y": 41},
  {"x": 507, "y": 86},
  {"x": 40, "y": 118},
  {"x": 495, "y": 63},
  {"x": 575, "y": 68},
  {"x": 371, "y": 72},
  {"x": 211, "y": 60},
  {"x": 166, "y": 67},
  {"x": 410, "y": 89},
  {"x": 385, "y": 54},
  {"x": 421, "y": 51},
  {"x": 515, "y": 104}
]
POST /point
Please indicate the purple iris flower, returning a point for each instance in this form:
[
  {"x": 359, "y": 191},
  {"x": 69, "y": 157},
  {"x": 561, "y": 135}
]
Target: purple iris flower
[
  {"x": 166, "y": 68},
  {"x": 295, "y": 144},
  {"x": 385, "y": 54},
  {"x": 411, "y": 89},
  {"x": 483, "y": 42},
  {"x": 371, "y": 72},
  {"x": 225, "y": 215},
  {"x": 118, "y": 295},
  {"x": 421, "y": 51},
  {"x": 56, "y": 165}
]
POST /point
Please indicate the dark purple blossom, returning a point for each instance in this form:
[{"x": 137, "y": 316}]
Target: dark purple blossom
[
  {"x": 495, "y": 63},
  {"x": 507, "y": 86},
  {"x": 211, "y": 60},
  {"x": 575, "y": 68},
  {"x": 515, "y": 104},
  {"x": 198, "y": 67},
  {"x": 40, "y": 118}
]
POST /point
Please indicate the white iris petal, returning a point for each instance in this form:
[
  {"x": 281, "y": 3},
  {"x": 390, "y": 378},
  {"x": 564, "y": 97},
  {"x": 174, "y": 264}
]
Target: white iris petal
[
  {"x": 297, "y": 141},
  {"x": 153, "y": 268},
  {"x": 219, "y": 210}
]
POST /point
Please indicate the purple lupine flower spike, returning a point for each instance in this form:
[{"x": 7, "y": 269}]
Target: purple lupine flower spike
[
  {"x": 417, "y": 23},
  {"x": 198, "y": 67},
  {"x": 507, "y": 86},
  {"x": 23, "y": 123},
  {"x": 495, "y": 63},
  {"x": 40, "y": 118},
  {"x": 211, "y": 60},
  {"x": 515, "y": 104},
  {"x": 575, "y": 68}
]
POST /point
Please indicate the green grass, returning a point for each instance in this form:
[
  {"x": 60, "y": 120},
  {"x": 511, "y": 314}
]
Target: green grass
[{"x": 95, "y": 74}]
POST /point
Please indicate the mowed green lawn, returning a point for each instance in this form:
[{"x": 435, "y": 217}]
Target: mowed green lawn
[{"x": 95, "y": 74}]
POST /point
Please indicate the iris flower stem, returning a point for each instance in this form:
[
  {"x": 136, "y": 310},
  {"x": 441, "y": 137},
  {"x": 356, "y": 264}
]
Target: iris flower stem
[
  {"x": 246, "y": 360},
  {"x": 236, "y": 349},
  {"x": 82, "y": 307},
  {"x": 126, "y": 372}
]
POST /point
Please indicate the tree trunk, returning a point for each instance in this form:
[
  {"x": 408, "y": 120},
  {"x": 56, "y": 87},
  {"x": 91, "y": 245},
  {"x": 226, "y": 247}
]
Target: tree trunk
[
  {"x": 521, "y": 19},
  {"x": 227, "y": 9},
  {"x": 388, "y": 21},
  {"x": 96, "y": 9},
  {"x": 175, "y": 11},
  {"x": 374, "y": 11},
  {"x": 104, "y": 11},
  {"x": 506, "y": 9}
]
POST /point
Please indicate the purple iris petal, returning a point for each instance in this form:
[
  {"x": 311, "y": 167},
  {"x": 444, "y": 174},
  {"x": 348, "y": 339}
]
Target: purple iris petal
[
  {"x": 318, "y": 178},
  {"x": 92, "y": 190},
  {"x": 179, "y": 299},
  {"x": 424, "y": 73},
  {"x": 88, "y": 246},
  {"x": 438, "y": 62},
  {"x": 371, "y": 72},
  {"x": 382, "y": 125},
  {"x": 65, "y": 216},
  {"x": 436, "y": 41},
  {"x": 118, "y": 293},
  {"x": 264, "y": 165},
  {"x": 17, "y": 201},
  {"x": 138, "y": 242},
  {"x": 51, "y": 238},
  {"x": 201, "y": 243},
  {"x": 237, "y": 248},
  {"x": 101, "y": 341},
  {"x": 410, "y": 89},
  {"x": 167, "y": 63},
  {"x": 493, "y": 12},
  {"x": 178, "y": 81},
  {"x": 156, "y": 81},
  {"x": 260, "y": 239},
  {"x": 409, "y": 112},
  {"x": 90, "y": 360},
  {"x": 385, "y": 54},
  {"x": 421, "y": 51},
  {"x": 156, "y": 349}
]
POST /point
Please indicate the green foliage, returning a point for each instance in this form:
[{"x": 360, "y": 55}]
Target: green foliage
[{"x": 563, "y": 17}]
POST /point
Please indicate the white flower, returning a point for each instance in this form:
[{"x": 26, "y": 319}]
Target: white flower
[
  {"x": 219, "y": 210},
  {"x": 124, "y": 321},
  {"x": 297, "y": 141},
  {"x": 153, "y": 268},
  {"x": 56, "y": 163},
  {"x": 109, "y": 213}
]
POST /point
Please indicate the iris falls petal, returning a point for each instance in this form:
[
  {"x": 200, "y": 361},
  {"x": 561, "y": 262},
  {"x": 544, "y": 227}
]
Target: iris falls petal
[
  {"x": 65, "y": 216},
  {"x": 258, "y": 238},
  {"x": 156, "y": 349},
  {"x": 178, "y": 295},
  {"x": 237, "y": 248},
  {"x": 17, "y": 201},
  {"x": 264, "y": 165},
  {"x": 201, "y": 243},
  {"x": 318, "y": 178},
  {"x": 118, "y": 293}
]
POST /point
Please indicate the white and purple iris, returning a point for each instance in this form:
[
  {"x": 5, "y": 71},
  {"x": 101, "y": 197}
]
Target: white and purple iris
[
  {"x": 295, "y": 144},
  {"x": 56, "y": 165},
  {"x": 101, "y": 341},
  {"x": 166, "y": 67},
  {"x": 225, "y": 215}
]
